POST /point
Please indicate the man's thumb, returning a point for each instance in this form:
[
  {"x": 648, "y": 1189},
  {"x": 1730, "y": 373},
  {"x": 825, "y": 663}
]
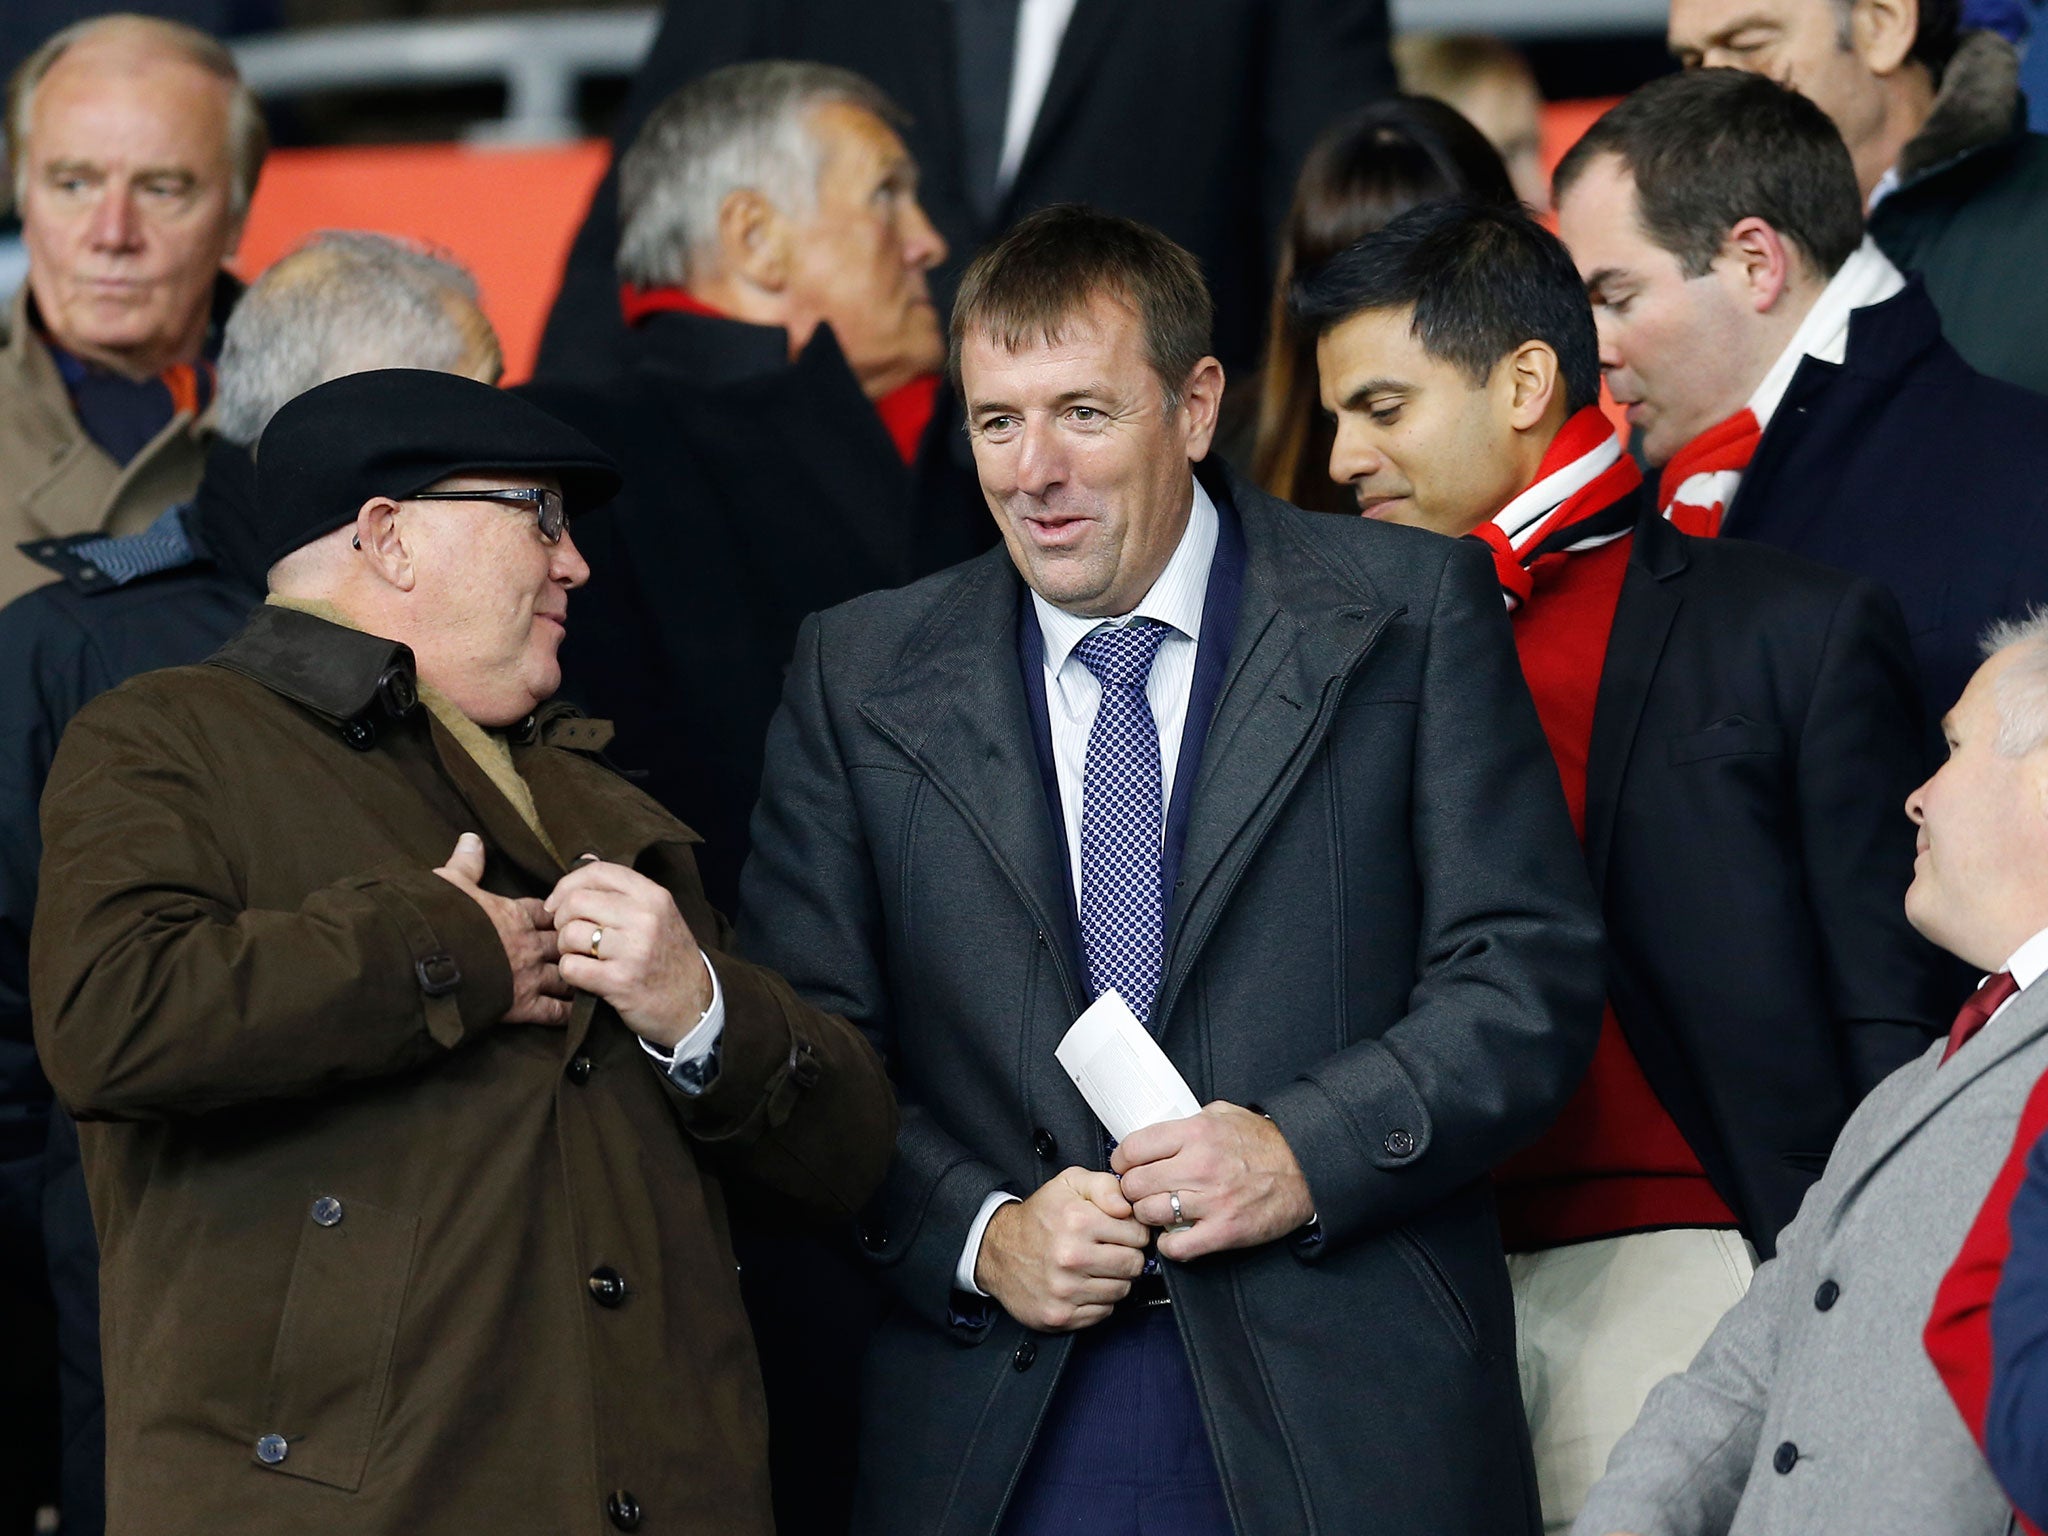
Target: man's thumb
[{"x": 466, "y": 863}]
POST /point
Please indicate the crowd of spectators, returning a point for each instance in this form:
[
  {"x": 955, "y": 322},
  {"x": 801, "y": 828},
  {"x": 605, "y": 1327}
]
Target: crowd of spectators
[{"x": 1529, "y": 683}]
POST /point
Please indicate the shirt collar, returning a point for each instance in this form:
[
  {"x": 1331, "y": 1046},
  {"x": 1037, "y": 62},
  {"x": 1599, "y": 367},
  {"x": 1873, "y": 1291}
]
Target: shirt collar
[
  {"x": 1867, "y": 277},
  {"x": 1176, "y": 598},
  {"x": 2030, "y": 961}
]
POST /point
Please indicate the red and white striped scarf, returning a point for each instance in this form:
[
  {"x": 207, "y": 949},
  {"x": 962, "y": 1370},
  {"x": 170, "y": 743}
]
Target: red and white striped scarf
[{"x": 1584, "y": 474}]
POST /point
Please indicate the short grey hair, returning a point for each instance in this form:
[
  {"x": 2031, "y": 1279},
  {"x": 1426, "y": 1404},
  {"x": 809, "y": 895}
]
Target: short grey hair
[
  {"x": 343, "y": 302},
  {"x": 248, "y": 135},
  {"x": 743, "y": 127},
  {"x": 2023, "y": 687}
]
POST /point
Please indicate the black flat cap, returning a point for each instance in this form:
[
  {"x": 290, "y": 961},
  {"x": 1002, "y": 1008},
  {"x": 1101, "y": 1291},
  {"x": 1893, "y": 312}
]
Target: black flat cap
[{"x": 394, "y": 432}]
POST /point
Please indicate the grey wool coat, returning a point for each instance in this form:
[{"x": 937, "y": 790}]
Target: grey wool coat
[
  {"x": 1816, "y": 1412},
  {"x": 1382, "y": 935}
]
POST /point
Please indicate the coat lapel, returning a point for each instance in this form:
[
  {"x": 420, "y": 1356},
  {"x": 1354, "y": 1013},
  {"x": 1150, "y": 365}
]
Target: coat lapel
[
  {"x": 1642, "y": 622},
  {"x": 1088, "y": 34},
  {"x": 1301, "y": 631},
  {"x": 2024, "y": 1021},
  {"x": 956, "y": 707}
]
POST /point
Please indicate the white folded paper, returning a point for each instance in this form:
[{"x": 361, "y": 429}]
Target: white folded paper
[{"x": 1121, "y": 1071}]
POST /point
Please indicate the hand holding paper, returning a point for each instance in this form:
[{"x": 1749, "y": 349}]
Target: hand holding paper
[{"x": 1236, "y": 1178}]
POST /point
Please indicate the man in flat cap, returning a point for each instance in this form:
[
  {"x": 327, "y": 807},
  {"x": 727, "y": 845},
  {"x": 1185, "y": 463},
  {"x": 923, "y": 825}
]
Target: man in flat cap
[{"x": 416, "y": 1072}]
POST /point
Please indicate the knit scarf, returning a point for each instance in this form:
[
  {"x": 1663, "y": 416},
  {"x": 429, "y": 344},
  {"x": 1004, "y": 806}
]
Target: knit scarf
[
  {"x": 1579, "y": 500},
  {"x": 1697, "y": 487}
]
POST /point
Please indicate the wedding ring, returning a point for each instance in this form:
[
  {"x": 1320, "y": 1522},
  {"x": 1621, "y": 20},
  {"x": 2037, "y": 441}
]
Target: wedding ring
[
  {"x": 596, "y": 942},
  {"x": 1173, "y": 1199}
]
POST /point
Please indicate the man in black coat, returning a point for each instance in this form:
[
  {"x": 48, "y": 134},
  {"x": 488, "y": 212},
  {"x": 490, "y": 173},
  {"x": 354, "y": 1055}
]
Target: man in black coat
[
  {"x": 1793, "y": 386},
  {"x": 167, "y": 596},
  {"x": 1193, "y": 118},
  {"x": 1735, "y": 730},
  {"x": 1273, "y": 778}
]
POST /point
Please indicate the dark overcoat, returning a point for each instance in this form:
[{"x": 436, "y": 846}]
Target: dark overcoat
[
  {"x": 1381, "y": 933},
  {"x": 1903, "y": 464},
  {"x": 373, "y": 1261}
]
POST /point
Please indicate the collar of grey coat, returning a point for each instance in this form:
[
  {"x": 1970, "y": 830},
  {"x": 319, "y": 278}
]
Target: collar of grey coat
[
  {"x": 1978, "y": 105},
  {"x": 955, "y": 704}
]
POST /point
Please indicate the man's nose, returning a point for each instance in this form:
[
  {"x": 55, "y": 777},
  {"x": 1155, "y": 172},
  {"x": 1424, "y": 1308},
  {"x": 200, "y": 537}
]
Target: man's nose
[
  {"x": 114, "y": 225},
  {"x": 1915, "y": 806},
  {"x": 1040, "y": 462},
  {"x": 923, "y": 246},
  {"x": 1603, "y": 329},
  {"x": 568, "y": 566},
  {"x": 1352, "y": 456}
]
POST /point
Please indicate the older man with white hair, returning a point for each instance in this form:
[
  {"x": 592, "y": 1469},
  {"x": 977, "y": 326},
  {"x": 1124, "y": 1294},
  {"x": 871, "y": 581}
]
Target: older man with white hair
[
  {"x": 1815, "y": 1408},
  {"x": 416, "y": 1073},
  {"x": 133, "y": 147}
]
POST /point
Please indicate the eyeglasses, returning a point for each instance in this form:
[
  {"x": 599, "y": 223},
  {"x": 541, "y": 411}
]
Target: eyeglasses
[{"x": 546, "y": 505}]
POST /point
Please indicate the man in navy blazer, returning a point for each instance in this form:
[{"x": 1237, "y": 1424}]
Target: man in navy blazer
[
  {"x": 1320, "y": 850},
  {"x": 1792, "y": 385}
]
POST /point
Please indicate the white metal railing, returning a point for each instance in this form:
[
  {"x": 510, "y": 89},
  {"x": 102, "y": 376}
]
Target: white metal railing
[{"x": 542, "y": 57}]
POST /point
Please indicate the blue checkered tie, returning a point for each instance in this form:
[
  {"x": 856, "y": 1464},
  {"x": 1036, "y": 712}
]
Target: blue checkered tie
[{"x": 1123, "y": 921}]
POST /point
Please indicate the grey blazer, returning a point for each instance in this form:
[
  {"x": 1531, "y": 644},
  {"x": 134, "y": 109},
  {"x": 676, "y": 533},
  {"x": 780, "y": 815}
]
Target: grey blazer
[
  {"x": 1382, "y": 934},
  {"x": 1813, "y": 1407}
]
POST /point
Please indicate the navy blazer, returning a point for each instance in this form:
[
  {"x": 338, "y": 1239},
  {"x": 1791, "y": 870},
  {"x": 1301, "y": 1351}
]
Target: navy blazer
[
  {"x": 2016, "y": 1419},
  {"x": 1904, "y": 464}
]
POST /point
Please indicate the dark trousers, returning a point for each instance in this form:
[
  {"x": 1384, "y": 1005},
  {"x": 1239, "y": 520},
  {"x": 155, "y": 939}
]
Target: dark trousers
[
  {"x": 1122, "y": 1451},
  {"x": 28, "y": 1337}
]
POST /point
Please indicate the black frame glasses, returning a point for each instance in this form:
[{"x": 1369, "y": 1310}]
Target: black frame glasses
[{"x": 546, "y": 505}]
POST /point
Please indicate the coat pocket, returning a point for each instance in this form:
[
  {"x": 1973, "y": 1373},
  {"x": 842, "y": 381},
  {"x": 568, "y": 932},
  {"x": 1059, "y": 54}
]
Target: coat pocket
[
  {"x": 1437, "y": 1285},
  {"x": 332, "y": 1364},
  {"x": 1729, "y": 738}
]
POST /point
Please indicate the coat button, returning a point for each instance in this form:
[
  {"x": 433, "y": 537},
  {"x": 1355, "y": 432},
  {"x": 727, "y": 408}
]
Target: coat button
[
  {"x": 1025, "y": 1357},
  {"x": 1828, "y": 1294},
  {"x": 272, "y": 1449},
  {"x": 327, "y": 1212},
  {"x": 1399, "y": 1143},
  {"x": 607, "y": 1286},
  {"x": 1044, "y": 1145},
  {"x": 1785, "y": 1458},
  {"x": 359, "y": 734},
  {"x": 624, "y": 1510},
  {"x": 874, "y": 1237},
  {"x": 579, "y": 1070}
]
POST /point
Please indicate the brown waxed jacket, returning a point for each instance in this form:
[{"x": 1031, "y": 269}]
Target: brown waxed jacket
[
  {"x": 55, "y": 481},
  {"x": 476, "y": 1276}
]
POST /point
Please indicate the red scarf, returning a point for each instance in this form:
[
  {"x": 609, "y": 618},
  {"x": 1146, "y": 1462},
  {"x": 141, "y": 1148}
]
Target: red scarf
[
  {"x": 1701, "y": 478},
  {"x": 905, "y": 412},
  {"x": 1533, "y": 534}
]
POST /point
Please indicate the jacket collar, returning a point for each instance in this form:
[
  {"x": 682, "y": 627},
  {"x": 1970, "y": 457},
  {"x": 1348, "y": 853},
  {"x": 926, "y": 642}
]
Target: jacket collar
[
  {"x": 1977, "y": 106},
  {"x": 340, "y": 673},
  {"x": 955, "y": 704},
  {"x": 712, "y": 350}
]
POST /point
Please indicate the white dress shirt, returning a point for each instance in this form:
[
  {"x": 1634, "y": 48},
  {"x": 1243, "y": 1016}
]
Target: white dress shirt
[
  {"x": 1072, "y": 696},
  {"x": 2028, "y": 964},
  {"x": 703, "y": 1037},
  {"x": 1041, "y": 25}
]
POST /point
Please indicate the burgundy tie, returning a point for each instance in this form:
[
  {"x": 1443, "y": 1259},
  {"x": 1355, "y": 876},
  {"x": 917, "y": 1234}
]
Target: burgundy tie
[{"x": 1976, "y": 1013}]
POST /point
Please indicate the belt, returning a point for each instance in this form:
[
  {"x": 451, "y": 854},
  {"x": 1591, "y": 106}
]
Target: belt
[{"x": 1146, "y": 1291}]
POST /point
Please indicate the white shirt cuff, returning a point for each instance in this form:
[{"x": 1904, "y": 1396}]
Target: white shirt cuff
[
  {"x": 703, "y": 1036},
  {"x": 963, "y": 1272}
]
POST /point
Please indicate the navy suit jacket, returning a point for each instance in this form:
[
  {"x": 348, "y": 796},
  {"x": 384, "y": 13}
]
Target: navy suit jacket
[{"x": 2016, "y": 1420}]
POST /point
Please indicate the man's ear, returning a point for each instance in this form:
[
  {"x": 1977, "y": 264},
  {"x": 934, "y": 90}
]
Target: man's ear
[
  {"x": 1530, "y": 384},
  {"x": 382, "y": 543},
  {"x": 1760, "y": 262},
  {"x": 1882, "y": 32},
  {"x": 754, "y": 241},
  {"x": 1202, "y": 399}
]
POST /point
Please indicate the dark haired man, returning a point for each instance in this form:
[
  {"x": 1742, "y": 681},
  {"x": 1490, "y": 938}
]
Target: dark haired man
[
  {"x": 1794, "y": 388},
  {"x": 1735, "y": 802},
  {"x": 1273, "y": 777},
  {"x": 1954, "y": 186}
]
